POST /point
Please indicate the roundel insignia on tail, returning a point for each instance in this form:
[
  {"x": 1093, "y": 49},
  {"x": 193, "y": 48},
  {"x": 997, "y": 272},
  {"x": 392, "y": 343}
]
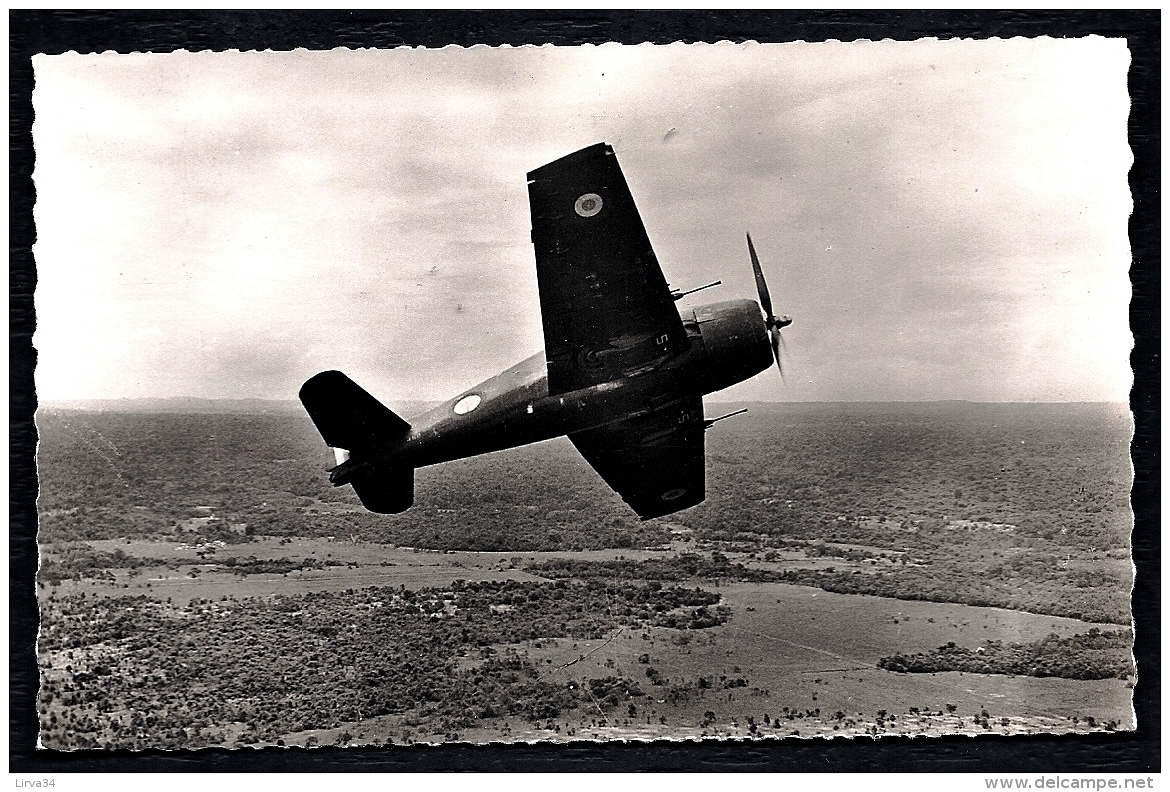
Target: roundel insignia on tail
[{"x": 588, "y": 205}]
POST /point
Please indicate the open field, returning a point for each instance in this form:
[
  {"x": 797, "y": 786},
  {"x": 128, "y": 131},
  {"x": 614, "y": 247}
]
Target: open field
[{"x": 202, "y": 585}]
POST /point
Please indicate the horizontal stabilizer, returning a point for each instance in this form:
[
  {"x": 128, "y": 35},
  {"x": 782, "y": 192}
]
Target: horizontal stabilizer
[
  {"x": 347, "y": 416},
  {"x": 385, "y": 490}
]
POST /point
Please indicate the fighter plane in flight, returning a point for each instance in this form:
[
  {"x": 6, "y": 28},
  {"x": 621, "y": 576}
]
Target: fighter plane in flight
[{"x": 623, "y": 374}]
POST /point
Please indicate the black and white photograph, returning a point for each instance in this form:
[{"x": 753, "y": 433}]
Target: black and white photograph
[{"x": 548, "y": 394}]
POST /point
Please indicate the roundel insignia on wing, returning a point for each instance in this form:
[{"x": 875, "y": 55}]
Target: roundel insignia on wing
[
  {"x": 586, "y": 358},
  {"x": 588, "y": 205},
  {"x": 674, "y": 494}
]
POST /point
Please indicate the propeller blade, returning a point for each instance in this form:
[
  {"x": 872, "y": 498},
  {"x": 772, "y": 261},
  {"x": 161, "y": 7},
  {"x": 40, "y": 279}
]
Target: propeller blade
[
  {"x": 761, "y": 284},
  {"x": 777, "y": 340},
  {"x": 774, "y": 325}
]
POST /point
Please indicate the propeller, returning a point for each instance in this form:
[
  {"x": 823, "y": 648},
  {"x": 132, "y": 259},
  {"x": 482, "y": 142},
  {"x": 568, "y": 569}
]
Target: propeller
[{"x": 773, "y": 323}]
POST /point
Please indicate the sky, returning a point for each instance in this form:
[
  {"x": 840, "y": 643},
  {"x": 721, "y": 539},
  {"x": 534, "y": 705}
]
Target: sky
[{"x": 942, "y": 219}]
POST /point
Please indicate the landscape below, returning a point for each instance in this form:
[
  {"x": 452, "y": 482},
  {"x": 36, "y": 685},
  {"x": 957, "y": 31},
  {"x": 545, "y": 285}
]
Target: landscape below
[{"x": 202, "y": 584}]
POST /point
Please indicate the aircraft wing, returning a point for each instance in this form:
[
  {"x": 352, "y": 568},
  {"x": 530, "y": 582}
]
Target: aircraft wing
[
  {"x": 655, "y": 460},
  {"x": 606, "y": 308}
]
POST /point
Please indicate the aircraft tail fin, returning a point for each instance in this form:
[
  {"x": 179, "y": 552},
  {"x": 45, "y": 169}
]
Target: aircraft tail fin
[{"x": 347, "y": 416}]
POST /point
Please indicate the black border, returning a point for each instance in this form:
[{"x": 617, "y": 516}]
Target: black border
[{"x": 160, "y": 31}]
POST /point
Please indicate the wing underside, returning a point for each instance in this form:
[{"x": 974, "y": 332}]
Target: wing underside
[
  {"x": 606, "y": 308},
  {"x": 655, "y": 460}
]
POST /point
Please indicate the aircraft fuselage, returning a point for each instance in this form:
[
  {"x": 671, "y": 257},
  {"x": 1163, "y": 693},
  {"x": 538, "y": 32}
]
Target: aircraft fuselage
[{"x": 728, "y": 343}]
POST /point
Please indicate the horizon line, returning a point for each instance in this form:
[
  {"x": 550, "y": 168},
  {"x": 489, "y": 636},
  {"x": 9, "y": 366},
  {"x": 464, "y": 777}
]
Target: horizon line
[{"x": 130, "y": 400}]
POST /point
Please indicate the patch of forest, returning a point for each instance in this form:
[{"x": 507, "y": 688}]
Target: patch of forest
[
  {"x": 132, "y": 672},
  {"x": 935, "y": 584},
  {"x": 251, "y": 565},
  {"x": 1035, "y": 585},
  {"x": 1091, "y": 655},
  {"x": 686, "y": 566},
  {"x": 1059, "y": 472},
  {"x": 82, "y": 561}
]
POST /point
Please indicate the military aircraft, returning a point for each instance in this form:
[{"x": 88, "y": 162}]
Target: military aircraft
[{"x": 623, "y": 374}]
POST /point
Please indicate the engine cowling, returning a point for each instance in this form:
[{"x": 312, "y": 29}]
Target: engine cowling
[{"x": 735, "y": 343}]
